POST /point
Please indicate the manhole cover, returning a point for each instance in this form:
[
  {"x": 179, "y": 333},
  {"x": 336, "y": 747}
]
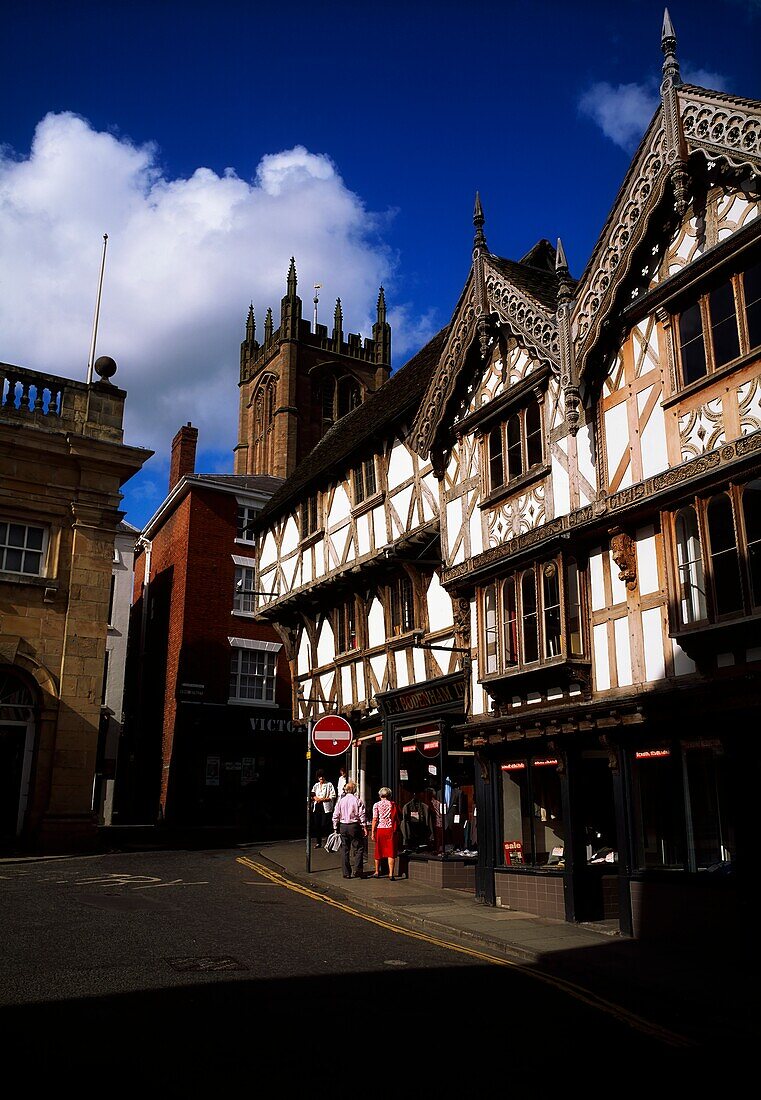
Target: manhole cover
[{"x": 205, "y": 963}]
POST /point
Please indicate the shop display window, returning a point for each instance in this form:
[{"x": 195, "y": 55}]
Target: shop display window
[
  {"x": 681, "y": 808},
  {"x": 436, "y": 796},
  {"x": 532, "y": 822}
]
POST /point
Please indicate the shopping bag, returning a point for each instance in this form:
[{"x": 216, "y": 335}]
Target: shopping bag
[{"x": 333, "y": 843}]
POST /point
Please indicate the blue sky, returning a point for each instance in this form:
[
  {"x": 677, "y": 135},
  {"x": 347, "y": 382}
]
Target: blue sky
[{"x": 213, "y": 140}]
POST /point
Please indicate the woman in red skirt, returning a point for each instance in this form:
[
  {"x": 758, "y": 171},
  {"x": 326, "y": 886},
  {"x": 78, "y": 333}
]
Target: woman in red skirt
[{"x": 385, "y": 831}]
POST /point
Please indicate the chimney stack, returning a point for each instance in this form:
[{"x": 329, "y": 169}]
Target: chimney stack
[{"x": 183, "y": 454}]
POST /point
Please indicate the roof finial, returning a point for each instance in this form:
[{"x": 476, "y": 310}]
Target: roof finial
[
  {"x": 292, "y": 279},
  {"x": 268, "y": 325},
  {"x": 561, "y": 263},
  {"x": 479, "y": 241},
  {"x": 338, "y": 325},
  {"x": 381, "y": 306},
  {"x": 668, "y": 46},
  {"x": 250, "y": 325},
  {"x": 676, "y": 146}
]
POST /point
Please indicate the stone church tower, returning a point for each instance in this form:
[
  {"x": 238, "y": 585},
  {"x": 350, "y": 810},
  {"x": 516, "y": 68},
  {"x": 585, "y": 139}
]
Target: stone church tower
[{"x": 298, "y": 382}]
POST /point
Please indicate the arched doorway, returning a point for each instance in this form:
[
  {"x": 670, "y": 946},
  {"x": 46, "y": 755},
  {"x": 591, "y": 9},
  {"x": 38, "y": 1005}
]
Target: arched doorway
[{"x": 17, "y": 731}]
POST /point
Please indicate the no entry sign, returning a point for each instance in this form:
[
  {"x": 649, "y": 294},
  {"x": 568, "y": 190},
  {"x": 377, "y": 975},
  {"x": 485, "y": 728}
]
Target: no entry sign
[{"x": 332, "y": 735}]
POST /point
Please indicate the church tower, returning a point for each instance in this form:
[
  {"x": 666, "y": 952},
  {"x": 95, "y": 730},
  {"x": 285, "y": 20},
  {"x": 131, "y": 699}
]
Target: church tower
[{"x": 300, "y": 380}]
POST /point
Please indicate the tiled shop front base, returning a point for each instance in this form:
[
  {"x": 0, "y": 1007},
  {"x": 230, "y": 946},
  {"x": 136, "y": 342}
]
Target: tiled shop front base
[{"x": 539, "y": 894}]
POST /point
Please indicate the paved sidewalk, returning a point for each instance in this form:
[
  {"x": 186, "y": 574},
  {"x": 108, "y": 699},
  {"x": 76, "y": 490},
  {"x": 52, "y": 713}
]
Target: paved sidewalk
[{"x": 703, "y": 993}]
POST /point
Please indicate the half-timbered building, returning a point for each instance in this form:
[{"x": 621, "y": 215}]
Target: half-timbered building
[{"x": 562, "y": 489}]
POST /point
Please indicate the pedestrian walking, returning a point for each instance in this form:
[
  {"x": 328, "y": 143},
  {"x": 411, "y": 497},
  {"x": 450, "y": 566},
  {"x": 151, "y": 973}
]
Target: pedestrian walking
[
  {"x": 342, "y": 777},
  {"x": 323, "y": 801},
  {"x": 350, "y": 819},
  {"x": 385, "y": 832}
]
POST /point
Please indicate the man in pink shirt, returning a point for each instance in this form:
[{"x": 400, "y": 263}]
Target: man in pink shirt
[{"x": 350, "y": 819}]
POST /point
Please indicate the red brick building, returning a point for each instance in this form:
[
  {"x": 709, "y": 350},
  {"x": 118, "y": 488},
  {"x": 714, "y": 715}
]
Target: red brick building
[{"x": 209, "y": 737}]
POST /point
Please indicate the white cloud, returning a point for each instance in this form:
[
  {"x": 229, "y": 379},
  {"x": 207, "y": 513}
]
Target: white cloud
[
  {"x": 623, "y": 111},
  {"x": 185, "y": 257}
]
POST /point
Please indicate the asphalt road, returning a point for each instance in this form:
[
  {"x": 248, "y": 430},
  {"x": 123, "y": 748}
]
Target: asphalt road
[{"x": 180, "y": 968}]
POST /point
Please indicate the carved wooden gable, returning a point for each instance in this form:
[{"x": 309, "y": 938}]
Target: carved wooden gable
[
  {"x": 645, "y": 237},
  {"x": 529, "y": 327}
]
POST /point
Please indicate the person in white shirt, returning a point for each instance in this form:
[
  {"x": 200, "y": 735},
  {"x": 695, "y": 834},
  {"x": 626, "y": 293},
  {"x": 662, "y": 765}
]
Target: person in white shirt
[{"x": 323, "y": 800}]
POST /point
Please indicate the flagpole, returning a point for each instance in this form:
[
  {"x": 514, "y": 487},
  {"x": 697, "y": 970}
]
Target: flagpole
[{"x": 91, "y": 361}]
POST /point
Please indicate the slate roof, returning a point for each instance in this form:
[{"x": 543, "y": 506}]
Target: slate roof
[
  {"x": 370, "y": 420},
  {"x": 263, "y": 483},
  {"x": 534, "y": 273}
]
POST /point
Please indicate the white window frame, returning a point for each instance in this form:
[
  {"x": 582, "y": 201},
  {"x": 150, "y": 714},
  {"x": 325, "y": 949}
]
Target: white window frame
[
  {"x": 251, "y": 511},
  {"x": 239, "y": 594},
  {"x": 10, "y": 521},
  {"x": 268, "y": 652}
]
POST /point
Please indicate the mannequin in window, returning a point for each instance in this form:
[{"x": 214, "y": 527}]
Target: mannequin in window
[{"x": 417, "y": 824}]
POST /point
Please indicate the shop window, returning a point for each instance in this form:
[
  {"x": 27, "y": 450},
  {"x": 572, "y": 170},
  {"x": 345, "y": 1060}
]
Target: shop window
[
  {"x": 309, "y": 516},
  {"x": 111, "y": 595},
  {"x": 717, "y": 542},
  {"x": 364, "y": 481},
  {"x": 346, "y": 625},
  {"x": 720, "y": 325},
  {"x": 244, "y": 529},
  {"x": 532, "y": 616},
  {"x": 516, "y": 446},
  {"x": 22, "y": 548},
  {"x": 436, "y": 793},
  {"x": 681, "y": 805},
  {"x": 657, "y": 809},
  {"x": 532, "y": 822},
  {"x": 402, "y": 598}
]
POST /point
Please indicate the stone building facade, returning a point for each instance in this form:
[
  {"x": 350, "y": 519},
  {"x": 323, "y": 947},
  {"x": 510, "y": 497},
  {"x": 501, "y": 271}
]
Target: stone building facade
[{"x": 62, "y": 464}]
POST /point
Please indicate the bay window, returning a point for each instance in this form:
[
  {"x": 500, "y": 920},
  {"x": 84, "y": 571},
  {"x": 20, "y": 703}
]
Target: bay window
[
  {"x": 532, "y": 616},
  {"x": 717, "y": 556}
]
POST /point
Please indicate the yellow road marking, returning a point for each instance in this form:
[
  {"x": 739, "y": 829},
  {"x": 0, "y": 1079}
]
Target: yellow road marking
[{"x": 578, "y": 992}]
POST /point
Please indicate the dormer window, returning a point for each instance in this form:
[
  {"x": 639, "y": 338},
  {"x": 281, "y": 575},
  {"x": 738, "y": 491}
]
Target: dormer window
[{"x": 516, "y": 446}]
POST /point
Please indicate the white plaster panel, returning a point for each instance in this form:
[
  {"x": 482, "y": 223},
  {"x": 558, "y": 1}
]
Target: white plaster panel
[
  {"x": 585, "y": 454},
  {"x": 306, "y": 568},
  {"x": 647, "y": 561},
  {"x": 432, "y": 487},
  {"x": 378, "y": 665},
  {"x": 683, "y": 665},
  {"x": 561, "y": 490},
  {"x": 268, "y": 553},
  {"x": 340, "y": 507},
  {"x": 326, "y": 649},
  {"x": 363, "y": 533},
  {"x": 597, "y": 579},
  {"x": 361, "y": 693},
  {"x": 454, "y": 522},
  {"x": 401, "y": 502},
  {"x": 439, "y": 605},
  {"x": 652, "y": 636},
  {"x": 327, "y": 680},
  {"x": 400, "y": 466},
  {"x": 617, "y": 587},
  {"x": 290, "y": 536},
  {"x": 379, "y": 527},
  {"x": 303, "y": 663},
  {"x": 402, "y": 678},
  {"x": 418, "y": 657},
  {"x": 347, "y": 690},
  {"x": 653, "y": 444},
  {"x": 623, "y": 651},
  {"x": 602, "y": 665},
  {"x": 476, "y": 529},
  {"x": 616, "y": 437},
  {"x": 376, "y": 625}
]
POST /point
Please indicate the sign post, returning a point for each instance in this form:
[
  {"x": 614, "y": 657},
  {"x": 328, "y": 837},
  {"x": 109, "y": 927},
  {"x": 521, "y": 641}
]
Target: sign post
[{"x": 310, "y": 723}]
